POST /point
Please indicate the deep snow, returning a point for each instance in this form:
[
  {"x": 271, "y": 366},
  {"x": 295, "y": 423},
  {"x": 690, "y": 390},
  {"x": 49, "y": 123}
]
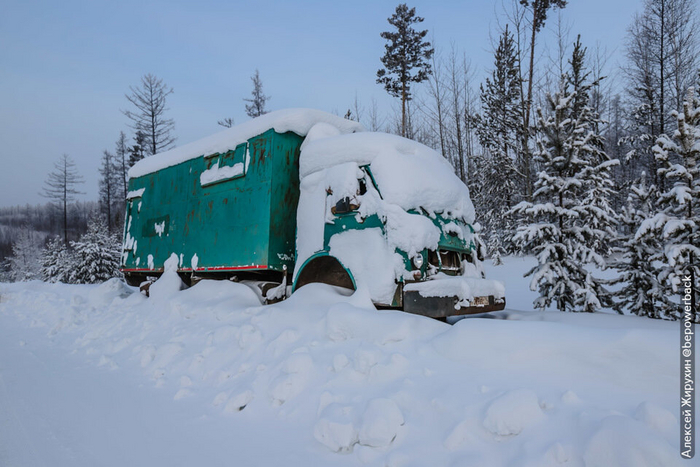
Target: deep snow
[{"x": 100, "y": 375}]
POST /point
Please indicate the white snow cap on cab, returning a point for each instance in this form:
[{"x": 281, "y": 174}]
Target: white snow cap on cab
[
  {"x": 299, "y": 121},
  {"x": 409, "y": 174}
]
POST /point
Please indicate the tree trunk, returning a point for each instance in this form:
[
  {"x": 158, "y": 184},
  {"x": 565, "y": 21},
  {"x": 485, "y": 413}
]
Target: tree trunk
[
  {"x": 528, "y": 109},
  {"x": 403, "y": 109},
  {"x": 662, "y": 60},
  {"x": 65, "y": 202}
]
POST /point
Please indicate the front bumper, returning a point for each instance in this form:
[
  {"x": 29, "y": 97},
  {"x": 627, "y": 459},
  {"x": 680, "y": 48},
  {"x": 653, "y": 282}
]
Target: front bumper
[
  {"x": 442, "y": 307},
  {"x": 453, "y": 296}
]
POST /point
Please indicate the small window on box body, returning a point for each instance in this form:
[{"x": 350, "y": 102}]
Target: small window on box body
[{"x": 225, "y": 166}]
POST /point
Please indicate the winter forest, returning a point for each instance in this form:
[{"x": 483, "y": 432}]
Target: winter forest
[{"x": 585, "y": 164}]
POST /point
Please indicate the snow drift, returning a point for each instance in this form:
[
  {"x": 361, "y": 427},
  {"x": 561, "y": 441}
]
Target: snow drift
[{"x": 325, "y": 379}]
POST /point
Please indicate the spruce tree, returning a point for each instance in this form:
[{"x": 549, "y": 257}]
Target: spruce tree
[
  {"x": 601, "y": 219},
  {"x": 138, "y": 150},
  {"x": 257, "y": 101},
  {"x": 498, "y": 130},
  {"x": 25, "y": 261},
  {"x": 96, "y": 254},
  {"x": 567, "y": 229},
  {"x": 636, "y": 271},
  {"x": 676, "y": 222},
  {"x": 56, "y": 262},
  {"x": 406, "y": 59}
]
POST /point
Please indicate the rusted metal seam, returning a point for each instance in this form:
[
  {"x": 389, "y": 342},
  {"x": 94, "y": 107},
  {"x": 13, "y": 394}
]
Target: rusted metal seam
[{"x": 214, "y": 268}]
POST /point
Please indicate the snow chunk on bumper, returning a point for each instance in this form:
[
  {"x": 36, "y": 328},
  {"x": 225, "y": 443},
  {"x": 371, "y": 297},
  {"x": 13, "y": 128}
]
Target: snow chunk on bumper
[{"x": 464, "y": 288}]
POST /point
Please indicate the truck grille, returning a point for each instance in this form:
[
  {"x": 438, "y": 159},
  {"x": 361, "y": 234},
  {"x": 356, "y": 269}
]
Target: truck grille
[{"x": 448, "y": 261}]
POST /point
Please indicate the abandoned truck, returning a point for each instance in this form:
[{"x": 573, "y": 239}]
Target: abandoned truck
[{"x": 300, "y": 196}]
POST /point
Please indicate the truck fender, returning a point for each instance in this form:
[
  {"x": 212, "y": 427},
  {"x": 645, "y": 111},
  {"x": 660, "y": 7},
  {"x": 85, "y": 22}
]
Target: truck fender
[{"x": 324, "y": 268}]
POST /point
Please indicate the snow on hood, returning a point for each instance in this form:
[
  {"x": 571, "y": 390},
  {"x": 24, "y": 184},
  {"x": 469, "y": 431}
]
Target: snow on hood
[
  {"x": 300, "y": 121},
  {"x": 409, "y": 174}
]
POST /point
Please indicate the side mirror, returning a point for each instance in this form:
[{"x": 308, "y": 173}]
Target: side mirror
[{"x": 342, "y": 206}]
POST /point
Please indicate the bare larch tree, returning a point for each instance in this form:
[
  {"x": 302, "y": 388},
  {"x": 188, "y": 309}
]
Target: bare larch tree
[
  {"x": 60, "y": 187},
  {"x": 538, "y": 10},
  {"x": 149, "y": 117}
]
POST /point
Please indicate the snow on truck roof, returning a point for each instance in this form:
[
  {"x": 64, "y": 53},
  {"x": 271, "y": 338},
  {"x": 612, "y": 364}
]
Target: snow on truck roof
[
  {"x": 409, "y": 174},
  {"x": 299, "y": 121}
]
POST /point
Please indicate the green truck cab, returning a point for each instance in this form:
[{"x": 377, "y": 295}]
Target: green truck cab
[{"x": 300, "y": 196}]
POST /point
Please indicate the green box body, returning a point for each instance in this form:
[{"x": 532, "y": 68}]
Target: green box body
[{"x": 245, "y": 222}]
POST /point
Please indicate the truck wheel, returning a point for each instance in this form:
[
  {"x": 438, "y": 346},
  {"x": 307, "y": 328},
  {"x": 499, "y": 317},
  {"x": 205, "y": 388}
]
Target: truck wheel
[
  {"x": 324, "y": 269},
  {"x": 133, "y": 280}
]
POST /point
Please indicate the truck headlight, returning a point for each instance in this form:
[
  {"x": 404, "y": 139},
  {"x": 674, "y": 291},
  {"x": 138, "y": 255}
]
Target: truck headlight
[{"x": 418, "y": 261}]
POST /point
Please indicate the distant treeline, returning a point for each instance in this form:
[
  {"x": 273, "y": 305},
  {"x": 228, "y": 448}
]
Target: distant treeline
[{"x": 43, "y": 219}]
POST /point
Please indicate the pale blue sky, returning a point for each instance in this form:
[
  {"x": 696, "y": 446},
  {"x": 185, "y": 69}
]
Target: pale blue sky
[{"x": 65, "y": 65}]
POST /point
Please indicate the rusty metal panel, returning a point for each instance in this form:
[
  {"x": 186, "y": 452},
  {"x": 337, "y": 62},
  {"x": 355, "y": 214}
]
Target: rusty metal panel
[
  {"x": 244, "y": 222},
  {"x": 434, "y": 307},
  {"x": 440, "y": 307}
]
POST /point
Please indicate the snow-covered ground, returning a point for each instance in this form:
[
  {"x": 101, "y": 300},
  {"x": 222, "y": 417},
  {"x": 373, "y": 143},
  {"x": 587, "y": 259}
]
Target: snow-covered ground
[{"x": 102, "y": 376}]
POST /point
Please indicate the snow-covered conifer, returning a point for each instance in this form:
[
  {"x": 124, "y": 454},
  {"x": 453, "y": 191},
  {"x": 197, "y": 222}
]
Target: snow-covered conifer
[
  {"x": 257, "y": 100},
  {"x": 138, "y": 150},
  {"x": 599, "y": 219},
  {"x": 637, "y": 273},
  {"x": 406, "y": 59},
  {"x": 677, "y": 223},
  {"x": 25, "y": 261},
  {"x": 96, "y": 255},
  {"x": 56, "y": 262},
  {"x": 568, "y": 228},
  {"x": 498, "y": 131}
]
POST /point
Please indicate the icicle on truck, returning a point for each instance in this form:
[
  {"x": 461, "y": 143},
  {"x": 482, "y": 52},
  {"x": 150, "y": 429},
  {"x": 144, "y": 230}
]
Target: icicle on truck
[{"x": 300, "y": 196}]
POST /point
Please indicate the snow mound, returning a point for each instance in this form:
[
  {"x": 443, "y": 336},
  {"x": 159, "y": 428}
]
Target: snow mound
[
  {"x": 216, "y": 292},
  {"x": 335, "y": 428},
  {"x": 239, "y": 402},
  {"x": 299, "y": 121},
  {"x": 656, "y": 417},
  {"x": 105, "y": 293},
  {"x": 220, "y": 377},
  {"x": 319, "y": 131},
  {"x": 169, "y": 282},
  {"x": 345, "y": 322},
  {"x": 461, "y": 434},
  {"x": 609, "y": 446},
  {"x": 297, "y": 372},
  {"x": 380, "y": 423},
  {"x": 512, "y": 412},
  {"x": 374, "y": 269}
]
